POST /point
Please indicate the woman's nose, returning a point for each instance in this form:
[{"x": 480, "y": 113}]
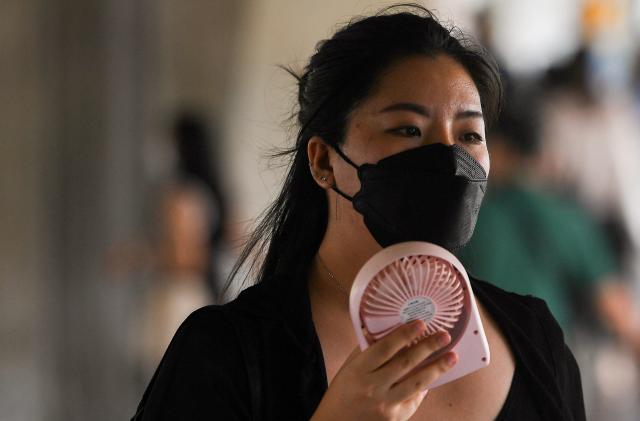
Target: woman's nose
[{"x": 439, "y": 132}]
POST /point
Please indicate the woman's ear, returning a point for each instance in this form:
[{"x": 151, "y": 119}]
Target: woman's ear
[{"x": 319, "y": 164}]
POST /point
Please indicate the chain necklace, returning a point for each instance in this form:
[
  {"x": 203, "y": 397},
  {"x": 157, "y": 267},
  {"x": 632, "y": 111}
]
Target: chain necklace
[{"x": 340, "y": 287}]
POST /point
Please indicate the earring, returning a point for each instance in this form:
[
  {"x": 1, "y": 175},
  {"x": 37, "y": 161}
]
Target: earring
[{"x": 323, "y": 178}]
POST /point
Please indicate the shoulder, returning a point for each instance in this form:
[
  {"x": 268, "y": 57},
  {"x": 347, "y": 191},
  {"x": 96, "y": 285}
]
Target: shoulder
[
  {"x": 221, "y": 328},
  {"x": 202, "y": 372},
  {"x": 487, "y": 291},
  {"x": 232, "y": 334},
  {"x": 205, "y": 326},
  {"x": 521, "y": 306},
  {"x": 261, "y": 303},
  {"x": 538, "y": 344},
  {"x": 209, "y": 368},
  {"x": 257, "y": 302},
  {"x": 524, "y": 314},
  {"x": 205, "y": 343}
]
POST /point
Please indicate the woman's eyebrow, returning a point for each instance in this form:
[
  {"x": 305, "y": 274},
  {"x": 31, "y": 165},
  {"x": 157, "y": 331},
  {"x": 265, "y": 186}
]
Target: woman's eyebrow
[
  {"x": 406, "y": 106},
  {"x": 469, "y": 114},
  {"x": 419, "y": 109}
]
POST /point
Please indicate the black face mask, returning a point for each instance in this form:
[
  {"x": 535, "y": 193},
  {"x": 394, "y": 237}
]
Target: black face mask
[{"x": 430, "y": 193}]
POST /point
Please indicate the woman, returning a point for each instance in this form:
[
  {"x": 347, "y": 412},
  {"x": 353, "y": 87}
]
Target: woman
[
  {"x": 190, "y": 234},
  {"x": 396, "y": 90}
]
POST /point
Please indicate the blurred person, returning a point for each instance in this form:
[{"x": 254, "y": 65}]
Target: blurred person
[
  {"x": 198, "y": 184},
  {"x": 531, "y": 241},
  {"x": 556, "y": 226},
  {"x": 588, "y": 153},
  {"x": 528, "y": 240},
  {"x": 635, "y": 78},
  {"x": 190, "y": 234},
  {"x": 400, "y": 94}
]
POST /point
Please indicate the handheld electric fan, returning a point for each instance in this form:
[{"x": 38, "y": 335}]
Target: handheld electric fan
[{"x": 419, "y": 280}]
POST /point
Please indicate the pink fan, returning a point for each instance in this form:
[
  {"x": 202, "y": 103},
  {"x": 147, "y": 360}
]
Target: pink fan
[{"x": 418, "y": 280}]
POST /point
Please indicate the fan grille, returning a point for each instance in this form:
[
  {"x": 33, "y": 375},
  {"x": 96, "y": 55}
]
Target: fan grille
[{"x": 410, "y": 288}]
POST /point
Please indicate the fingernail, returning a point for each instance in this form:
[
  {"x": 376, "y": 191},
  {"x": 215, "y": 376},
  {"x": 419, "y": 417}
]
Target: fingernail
[
  {"x": 443, "y": 338},
  {"x": 451, "y": 359},
  {"x": 419, "y": 326}
]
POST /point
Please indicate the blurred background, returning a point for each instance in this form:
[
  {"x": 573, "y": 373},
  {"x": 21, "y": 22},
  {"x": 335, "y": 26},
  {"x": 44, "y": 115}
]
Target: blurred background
[{"x": 133, "y": 137}]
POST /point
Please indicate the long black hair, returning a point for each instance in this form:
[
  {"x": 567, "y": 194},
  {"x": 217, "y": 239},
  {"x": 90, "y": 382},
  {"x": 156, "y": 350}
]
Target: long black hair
[
  {"x": 196, "y": 145},
  {"x": 341, "y": 74}
]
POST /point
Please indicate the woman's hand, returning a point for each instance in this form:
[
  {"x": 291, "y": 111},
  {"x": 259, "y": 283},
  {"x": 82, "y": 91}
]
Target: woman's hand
[{"x": 371, "y": 385}]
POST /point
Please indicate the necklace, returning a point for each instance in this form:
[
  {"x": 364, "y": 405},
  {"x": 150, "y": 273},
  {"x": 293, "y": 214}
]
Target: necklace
[{"x": 340, "y": 287}]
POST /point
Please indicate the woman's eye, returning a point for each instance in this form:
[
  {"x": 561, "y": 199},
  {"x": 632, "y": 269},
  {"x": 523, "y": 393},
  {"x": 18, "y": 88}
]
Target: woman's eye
[
  {"x": 472, "y": 138},
  {"x": 408, "y": 131}
]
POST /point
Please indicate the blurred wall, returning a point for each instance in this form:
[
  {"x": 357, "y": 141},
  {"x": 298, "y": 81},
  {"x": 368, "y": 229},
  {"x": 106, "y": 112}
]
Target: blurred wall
[
  {"x": 86, "y": 83},
  {"x": 26, "y": 366}
]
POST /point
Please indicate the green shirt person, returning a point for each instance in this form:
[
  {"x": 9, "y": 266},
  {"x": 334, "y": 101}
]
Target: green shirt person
[{"x": 531, "y": 242}]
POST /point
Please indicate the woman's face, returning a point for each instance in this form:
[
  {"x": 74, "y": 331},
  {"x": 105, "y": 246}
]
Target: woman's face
[{"x": 418, "y": 101}]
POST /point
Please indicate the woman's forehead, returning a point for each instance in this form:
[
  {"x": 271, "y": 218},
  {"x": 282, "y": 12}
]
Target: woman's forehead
[{"x": 428, "y": 81}]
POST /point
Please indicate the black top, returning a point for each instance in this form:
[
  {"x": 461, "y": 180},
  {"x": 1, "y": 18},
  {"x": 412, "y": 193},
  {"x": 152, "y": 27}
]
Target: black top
[{"x": 259, "y": 358}]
